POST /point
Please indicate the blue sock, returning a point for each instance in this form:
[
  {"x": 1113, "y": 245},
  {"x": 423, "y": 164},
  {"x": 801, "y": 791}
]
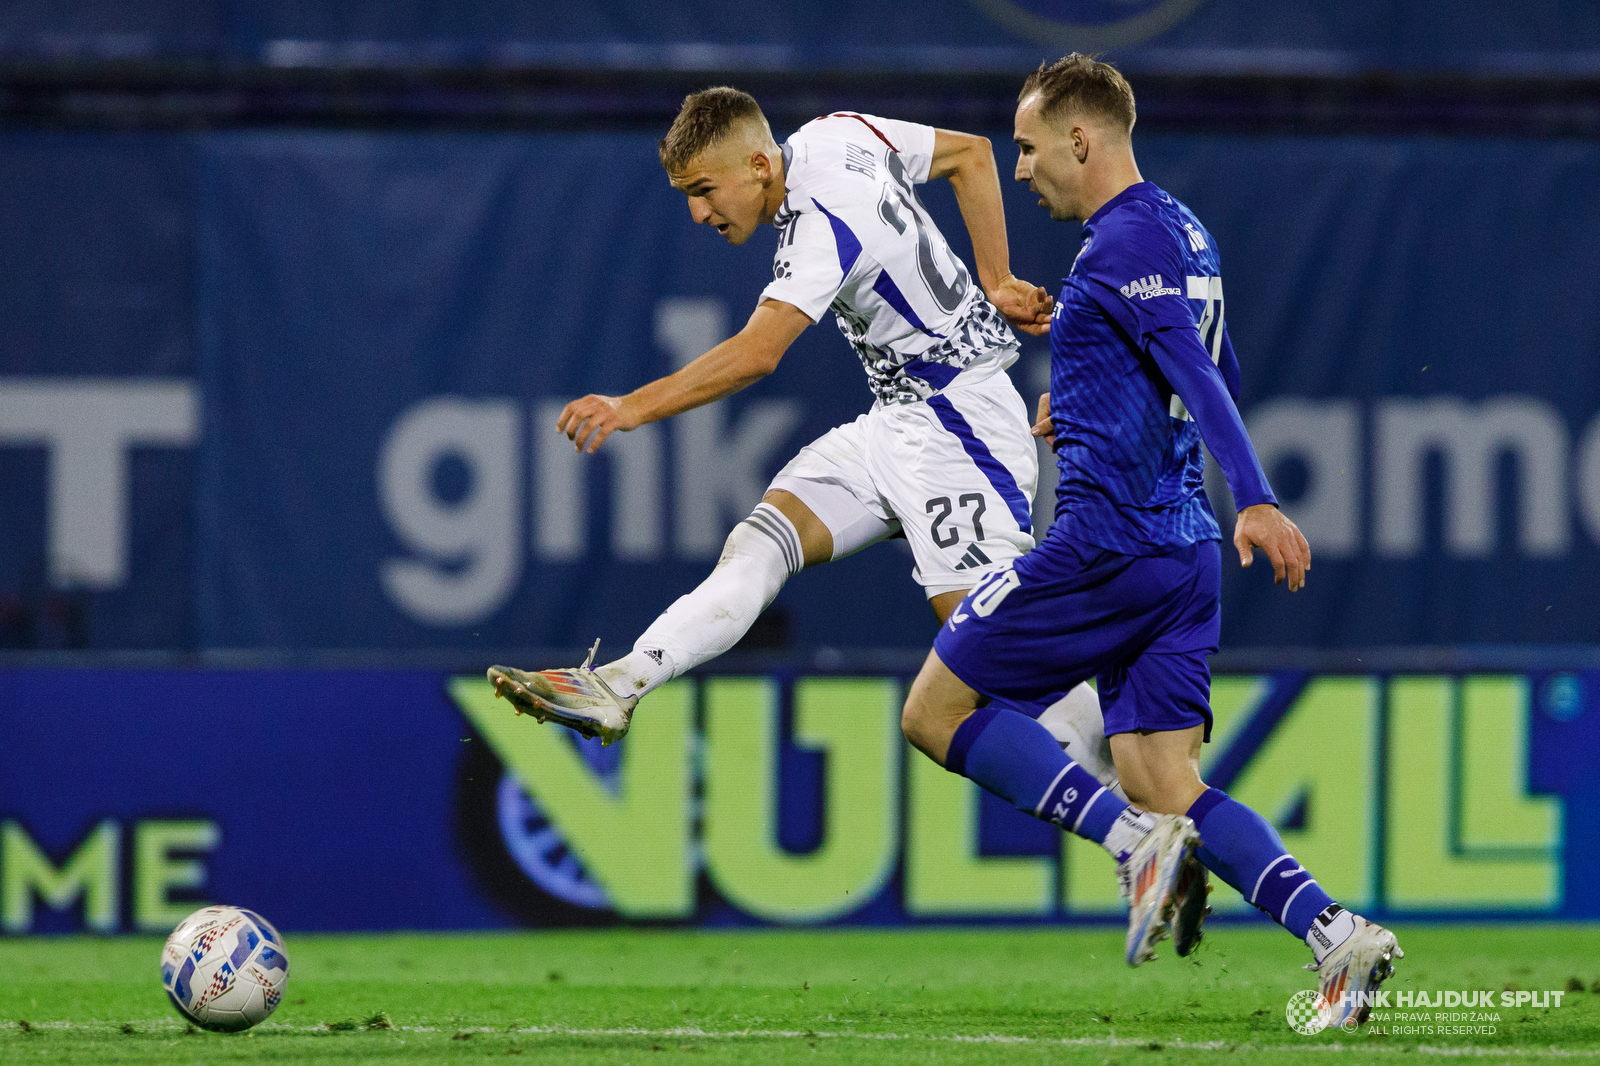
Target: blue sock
[
  {"x": 1018, "y": 760},
  {"x": 1242, "y": 848}
]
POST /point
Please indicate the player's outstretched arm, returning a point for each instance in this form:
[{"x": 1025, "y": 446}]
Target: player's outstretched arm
[
  {"x": 743, "y": 359},
  {"x": 967, "y": 161}
]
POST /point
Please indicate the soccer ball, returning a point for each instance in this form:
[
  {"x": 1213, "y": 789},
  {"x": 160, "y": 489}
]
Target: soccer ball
[{"x": 224, "y": 968}]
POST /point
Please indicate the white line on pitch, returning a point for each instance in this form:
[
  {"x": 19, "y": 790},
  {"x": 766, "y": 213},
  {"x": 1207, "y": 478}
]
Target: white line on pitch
[{"x": 694, "y": 1032}]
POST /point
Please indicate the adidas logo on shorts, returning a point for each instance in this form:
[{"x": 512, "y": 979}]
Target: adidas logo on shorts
[{"x": 972, "y": 557}]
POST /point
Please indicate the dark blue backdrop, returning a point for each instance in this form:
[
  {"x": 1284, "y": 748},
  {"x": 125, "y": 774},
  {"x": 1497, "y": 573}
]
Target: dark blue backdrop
[
  {"x": 1419, "y": 369},
  {"x": 1549, "y": 36}
]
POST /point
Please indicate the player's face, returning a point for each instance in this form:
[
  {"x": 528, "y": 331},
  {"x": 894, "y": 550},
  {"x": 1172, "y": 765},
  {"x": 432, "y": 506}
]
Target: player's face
[
  {"x": 1047, "y": 161},
  {"x": 727, "y": 189}
]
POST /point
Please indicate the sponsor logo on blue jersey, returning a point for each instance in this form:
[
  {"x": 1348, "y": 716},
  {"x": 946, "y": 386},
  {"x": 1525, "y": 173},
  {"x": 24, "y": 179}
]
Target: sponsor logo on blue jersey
[{"x": 1149, "y": 286}]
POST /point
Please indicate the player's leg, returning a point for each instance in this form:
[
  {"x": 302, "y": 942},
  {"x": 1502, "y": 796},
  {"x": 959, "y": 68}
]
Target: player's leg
[
  {"x": 809, "y": 515},
  {"x": 1007, "y": 632},
  {"x": 1015, "y": 757},
  {"x": 1166, "y": 789},
  {"x": 1072, "y": 603},
  {"x": 1156, "y": 746},
  {"x": 1072, "y": 720},
  {"x": 780, "y": 538},
  {"x": 821, "y": 506}
]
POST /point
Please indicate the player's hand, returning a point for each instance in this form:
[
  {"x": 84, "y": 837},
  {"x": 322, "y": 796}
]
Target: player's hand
[
  {"x": 1264, "y": 526},
  {"x": 589, "y": 421},
  {"x": 1044, "y": 427},
  {"x": 1027, "y": 307}
]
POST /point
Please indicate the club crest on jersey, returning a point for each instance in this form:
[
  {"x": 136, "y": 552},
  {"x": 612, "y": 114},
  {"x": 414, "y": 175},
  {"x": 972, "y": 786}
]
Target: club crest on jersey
[{"x": 1146, "y": 287}]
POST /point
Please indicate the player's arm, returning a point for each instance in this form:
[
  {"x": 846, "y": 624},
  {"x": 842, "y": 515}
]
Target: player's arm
[
  {"x": 967, "y": 161},
  {"x": 1183, "y": 358},
  {"x": 743, "y": 359}
]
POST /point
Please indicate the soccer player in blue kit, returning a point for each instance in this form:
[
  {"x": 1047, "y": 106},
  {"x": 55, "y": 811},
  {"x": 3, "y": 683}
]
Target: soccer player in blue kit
[{"x": 1126, "y": 585}]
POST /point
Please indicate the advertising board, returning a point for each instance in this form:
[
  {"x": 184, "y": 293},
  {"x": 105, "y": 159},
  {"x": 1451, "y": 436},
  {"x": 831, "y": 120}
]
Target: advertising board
[{"x": 391, "y": 799}]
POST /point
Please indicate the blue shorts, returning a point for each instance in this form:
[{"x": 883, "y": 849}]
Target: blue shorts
[{"x": 1068, "y": 611}]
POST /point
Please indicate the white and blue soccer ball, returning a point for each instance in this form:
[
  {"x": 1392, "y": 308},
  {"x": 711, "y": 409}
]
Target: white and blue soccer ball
[{"x": 224, "y": 968}]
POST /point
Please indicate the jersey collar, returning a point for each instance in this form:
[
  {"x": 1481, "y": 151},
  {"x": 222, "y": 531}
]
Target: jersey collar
[
  {"x": 785, "y": 212},
  {"x": 1139, "y": 190}
]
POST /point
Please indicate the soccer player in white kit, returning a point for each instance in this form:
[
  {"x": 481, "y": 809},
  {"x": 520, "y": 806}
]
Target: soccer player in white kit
[{"x": 944, "y": 456}]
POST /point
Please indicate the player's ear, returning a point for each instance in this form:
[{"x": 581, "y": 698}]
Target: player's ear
[{"x": 1080, "y": 143}]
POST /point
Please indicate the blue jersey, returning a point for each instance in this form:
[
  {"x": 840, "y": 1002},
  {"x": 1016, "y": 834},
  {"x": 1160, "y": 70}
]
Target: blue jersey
[{"x": 1141, "y": 367}]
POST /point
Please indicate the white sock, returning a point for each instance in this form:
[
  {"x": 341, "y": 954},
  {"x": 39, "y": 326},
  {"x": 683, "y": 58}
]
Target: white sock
[
  {"x": 761, "y": 553},
  {"x": 638, "y": 672},
  {"x": 1131, "y": 826},
  {"x": 1329, "y": 929}
]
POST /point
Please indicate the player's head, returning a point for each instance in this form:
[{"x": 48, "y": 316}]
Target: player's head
[
  {"x": 1074, "y": 119},
  {"x": 720, "y": 152}
]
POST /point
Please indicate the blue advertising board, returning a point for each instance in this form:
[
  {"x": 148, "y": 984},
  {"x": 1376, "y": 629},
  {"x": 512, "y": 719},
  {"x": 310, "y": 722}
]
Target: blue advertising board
[
  {"x": 389, "y": 325},
  {"x": 365, "y": 799},
  {"x": 96, "y": 293},
  {"x": 301, "y": 392}
]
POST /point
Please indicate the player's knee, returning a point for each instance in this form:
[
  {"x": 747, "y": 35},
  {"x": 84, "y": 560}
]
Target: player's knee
[
  {"x": 929, "y": 727},
  {"x": 766, "y": 544},
  {"x": 918, "y": 723},
  {"x": 911, "y": 716}
]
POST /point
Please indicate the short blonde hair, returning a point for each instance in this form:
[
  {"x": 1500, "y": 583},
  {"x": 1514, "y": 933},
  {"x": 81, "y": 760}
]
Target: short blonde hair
[{"x": 705, "y": 119}]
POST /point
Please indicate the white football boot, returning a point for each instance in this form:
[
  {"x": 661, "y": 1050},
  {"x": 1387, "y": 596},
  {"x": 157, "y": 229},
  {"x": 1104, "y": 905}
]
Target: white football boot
[
  {"x": 1161, "y": 864},
  {"x": 1363, "y": 962},
  {"x": 576, "y": 698}
]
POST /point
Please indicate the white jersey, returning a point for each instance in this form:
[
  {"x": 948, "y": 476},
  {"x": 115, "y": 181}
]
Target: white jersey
[{"x": 854, "y": 237}]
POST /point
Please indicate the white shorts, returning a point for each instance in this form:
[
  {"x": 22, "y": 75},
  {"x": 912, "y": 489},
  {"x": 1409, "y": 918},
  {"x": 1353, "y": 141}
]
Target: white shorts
[{"x": 955, "y": 473}]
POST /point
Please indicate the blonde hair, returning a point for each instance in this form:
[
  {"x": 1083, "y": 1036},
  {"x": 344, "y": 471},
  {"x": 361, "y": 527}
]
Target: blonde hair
[{"x": 705, "y": 120}]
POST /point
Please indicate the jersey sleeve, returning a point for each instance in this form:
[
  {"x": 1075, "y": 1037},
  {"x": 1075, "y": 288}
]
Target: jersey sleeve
[
  {"x": 1202, "y": 386},
  {"x": 1228, "y": 364},
  {"x": 1137, "y": 275},
  {"x": 912, "y": 140},
  {"x": 810, "y": 265}
]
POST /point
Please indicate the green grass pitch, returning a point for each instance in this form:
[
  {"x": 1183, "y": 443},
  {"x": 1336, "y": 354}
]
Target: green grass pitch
[{"x": 625, "y": 996}]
